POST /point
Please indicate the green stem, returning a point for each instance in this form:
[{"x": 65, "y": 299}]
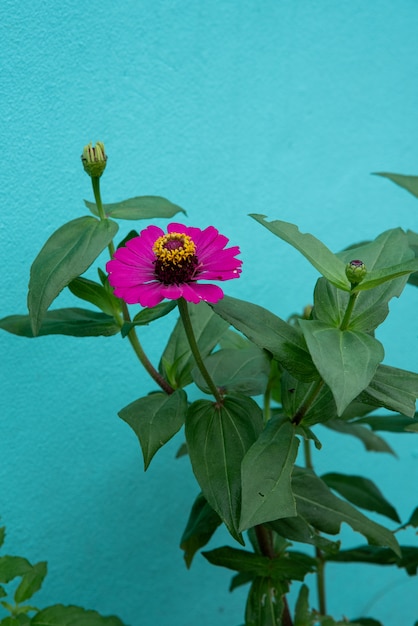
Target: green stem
[
  {"x": 349, "y": 310},
  {"x": 132, "y": 336},
  {"x": 188, "y": 328}
]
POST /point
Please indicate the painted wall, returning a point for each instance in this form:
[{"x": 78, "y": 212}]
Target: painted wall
[{"x": 278, "y": 107}]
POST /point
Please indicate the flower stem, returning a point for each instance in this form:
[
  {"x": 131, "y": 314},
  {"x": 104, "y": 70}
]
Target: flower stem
[
  {"x": 188, "y": 328},
  {"x": 349, "y": 310},
  {"x": 95, "y": 181}
]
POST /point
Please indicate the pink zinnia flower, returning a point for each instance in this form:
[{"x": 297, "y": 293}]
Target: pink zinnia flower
[{"x": 155, "y": 265}]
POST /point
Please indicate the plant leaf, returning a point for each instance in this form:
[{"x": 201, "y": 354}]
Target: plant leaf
[
  {"x": 201, "y": 525},
  {"x": 266, "y": 330},
  {"x": 60, "y": 615},
  {"x": 266, "y": 475},
  {"x": 148, "y": 315},
  {"x": 12, "y": 566},
  {"x": 410, "y": 183},
  {"x": 408, "y": 558},
  {"x": 138, "y": 208},
  {"x": 325, "y": 511},
  {"x": 68, "y": 253},
  {"x": 264, "y": 603},
  {"x": 293, "y": 393},
  {"x": 31, "y": 582},
  {"x": 74, "y": 322},
  {"x": 371, "y": 441},
  {"x": 390, "y": 423},
  {"x": 95, "y": 293},
  {"x": 362, "y": 492},
  {"x": 218, "y": 437},
  {"x": 317, "y": 253},
  {"x": 347, "y": 360},
  {"x": 297, "y": 529},
  {"x": 393, "y": 388},
  {"x": 155, "y": 419}
]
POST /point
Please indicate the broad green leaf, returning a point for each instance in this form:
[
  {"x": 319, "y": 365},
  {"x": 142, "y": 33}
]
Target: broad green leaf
[
  {"x": 201, "y": 525},
  {"x": 413, "y": 520},
  {"x": 378, "y": 277},
  {"x": 243, "y": 371},
  {"x": 31, "y": 582},
  {"x": 2, "y": 534},
  {"x": 218, "y": 437},
  {"x": 266, "y": 475},
  {"x": 413, "y": 244},
  {"x": 60, "y": 615},
  {"x": 12, "y": 566},
  {"x": 148, "y": 315},
  {"x": 408, "y": 558},
  {"x": 177, "y": 360},
  {"x": 18, "y": 620},
  {"x": 393, "y": 388},
  {"x": 139, "y": 208},
  {"x": 302, "y": 612},
  {"x": 68, "y": 253},
  {"x": 362, "y": 492},
  {"x": 326, "y": 512},
  {"x": 74, "y": 321},
  {"x": 95, "y": 293},
  {"x": 347, "y": 360},
  {"x": 371, "y": 441},
  {"x": 390, "y": 423},
  {"x": 265, "y": 604},
  {"x": 317, "y": 253},
  {"x": 410, "y": 183},
  {"x": 266, "y": 330},
  {"x": 297, "y": 529},
  {"x": 155, "y": 419},
  {"x": 294, "y": 393},
  {"x": 291, "y": 566}
]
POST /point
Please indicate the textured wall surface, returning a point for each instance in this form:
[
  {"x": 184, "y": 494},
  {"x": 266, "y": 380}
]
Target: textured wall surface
[{"x": 281, "y": 107}]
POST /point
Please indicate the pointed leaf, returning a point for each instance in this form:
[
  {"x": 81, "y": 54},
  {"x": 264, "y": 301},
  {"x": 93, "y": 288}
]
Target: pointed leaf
[
  {"x": 218, "y": 438},
  {"x": 302, "y": 612},
  {"x": 390, "y": 423},
  {"x": 60, "y": 615},
  {"x": 74, "y": 322},
  {"x": 95, "y": 293},
  {"x": 371, "y": 441},
  {"x": 393, "y": 388},
  {"x": 362, "y": 492},
  {"x": 177, "y": 360},
  {"x": 68, "y": 253},
  {"x": 264, "y": 603},
  {"x": 347, "y": 360},
  {"x": 293, "y": 394},
  {"x": 12, "y": 566},
  {"x": 31, "y": 582},
  {"x": 148, "y": 315},
  {"x": 155, "y": 419},
  {"x": 139, "y": 208},
  {"x": 378, "y": 277},
  {"x": 326, "y": 512},
  {"x": 297, "y": 529},
  {"x": 408, "y": 559},
  {"x": 321, "y": 257},
  {"x": 410, "y": 183},
  {"x": 243, "y": 371},
  {"x": 285, "y": 342},
  {"x": 266, "y": 475},
  {"x": 201, "y": 525}
]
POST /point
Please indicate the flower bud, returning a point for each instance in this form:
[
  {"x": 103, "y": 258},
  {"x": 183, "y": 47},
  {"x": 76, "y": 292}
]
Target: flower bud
[
  {"x": 355, "y": 271},
  {"x": 94, "y": 159}
]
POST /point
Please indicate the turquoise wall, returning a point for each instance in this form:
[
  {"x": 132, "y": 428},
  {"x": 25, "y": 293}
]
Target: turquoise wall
[{"x": 281, "y": 107}]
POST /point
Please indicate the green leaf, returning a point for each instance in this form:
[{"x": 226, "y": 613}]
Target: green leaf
[
  {"x": 12, "y": 566},
  {"x": 291, "y": 566},
  {"x": 264, "y": 603},
  {"x": 60, "y": 615},
  {"x": 177, "y": 360},
  {"x": 2, "y": 534},
  {"x": 393, "y": 388},
  {"x": 347, "y": 360},
  {"x": 302, "y": 612},
  {"x": 148, "y": 315},
  {"x": 243, "y": 371},
  {"x": 362, "y": 492},
  {"x": 218, "y": 437},
  {"x": 378, "y": 277},
  {"x": 31, "y": 582},
  {"x": 201, "y": 525},
  {"x": 410, "y": 183},
  {"x": 372, "y": 442},
  {"x": 68, "y": 253},
  {"x": 297, "y": 529},
  {"x": 407, "y": 559},
  {"x": 266, "y": 330},
  {"x": 74, "y": 321},
  {"x": 96, "y": 294},
  {"x": 321, "y": 257},
  {"x": 155, "y": 419},
  {"x": 326, "y": 512},
  {"x": 139, "y": 208},
  {"x": 266, "y": 475},
  {"x": 293, "y": 394}
]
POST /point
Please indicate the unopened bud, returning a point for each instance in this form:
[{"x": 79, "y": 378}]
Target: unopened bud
[
  {"x": 94, "y": 159},
  {"x": 355, "y": 271}
]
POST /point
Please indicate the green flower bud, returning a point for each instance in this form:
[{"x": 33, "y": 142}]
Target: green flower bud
[
  {"x": 355, "y": 271},
  {"x": 94, "y": 159}
]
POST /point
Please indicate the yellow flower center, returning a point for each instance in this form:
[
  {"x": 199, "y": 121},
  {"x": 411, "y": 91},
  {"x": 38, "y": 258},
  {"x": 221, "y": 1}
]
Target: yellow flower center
[{"x": 176, "y": 260}]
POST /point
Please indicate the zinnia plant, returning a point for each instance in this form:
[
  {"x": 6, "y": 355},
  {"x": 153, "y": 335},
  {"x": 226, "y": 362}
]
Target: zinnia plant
[{"x": 265, "y": 383}]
